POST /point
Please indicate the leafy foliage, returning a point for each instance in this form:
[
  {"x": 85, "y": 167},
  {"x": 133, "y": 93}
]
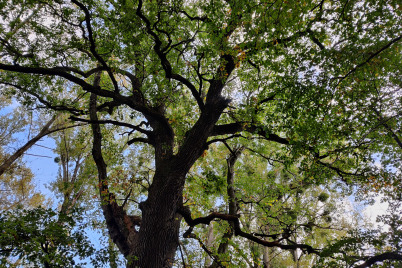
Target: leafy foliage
[
  {"x": 16, "y": 184},
  {"x": 310, "y": 90},
  {"x": 43, "y": 237}
]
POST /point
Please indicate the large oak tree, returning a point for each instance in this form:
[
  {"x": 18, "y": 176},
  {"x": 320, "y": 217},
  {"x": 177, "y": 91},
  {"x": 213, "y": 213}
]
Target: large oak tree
[{"x": 311, "y": 86}]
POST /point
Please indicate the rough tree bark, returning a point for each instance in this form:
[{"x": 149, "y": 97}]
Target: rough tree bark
[
  {"x": 155, "y": 244},
  {"x": 158, "y": 237}
]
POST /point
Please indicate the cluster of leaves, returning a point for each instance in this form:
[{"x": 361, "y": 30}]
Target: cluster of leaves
[
  {"x": 17, "y": 187},
  {"x": 44, "y": 237}
]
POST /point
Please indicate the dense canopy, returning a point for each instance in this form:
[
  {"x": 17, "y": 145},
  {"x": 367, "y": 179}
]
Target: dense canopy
[{"x": 222, "y": 133}]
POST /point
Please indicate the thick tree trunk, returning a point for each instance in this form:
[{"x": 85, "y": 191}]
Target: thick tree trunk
[
  {"x": 158, "y": 237},
  {"x": 155, "y": 244}
]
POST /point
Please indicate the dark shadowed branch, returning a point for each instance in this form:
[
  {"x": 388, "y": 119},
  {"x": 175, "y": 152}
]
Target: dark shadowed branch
[{"x": 378, "y": 258}]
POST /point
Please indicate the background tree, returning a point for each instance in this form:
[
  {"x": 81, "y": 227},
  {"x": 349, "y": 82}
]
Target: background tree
[
  {"x": 315, "y": 78},
  {"x": 34, "y": 235},
  {"x": 16, "y": 185},
  {"x": 31, "y": 234},
  {"x": 275, "y": 203}
]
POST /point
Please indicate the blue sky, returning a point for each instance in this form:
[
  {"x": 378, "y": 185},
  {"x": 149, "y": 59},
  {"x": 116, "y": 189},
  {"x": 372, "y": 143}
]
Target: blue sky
[{"x": 41, "y": 162}]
